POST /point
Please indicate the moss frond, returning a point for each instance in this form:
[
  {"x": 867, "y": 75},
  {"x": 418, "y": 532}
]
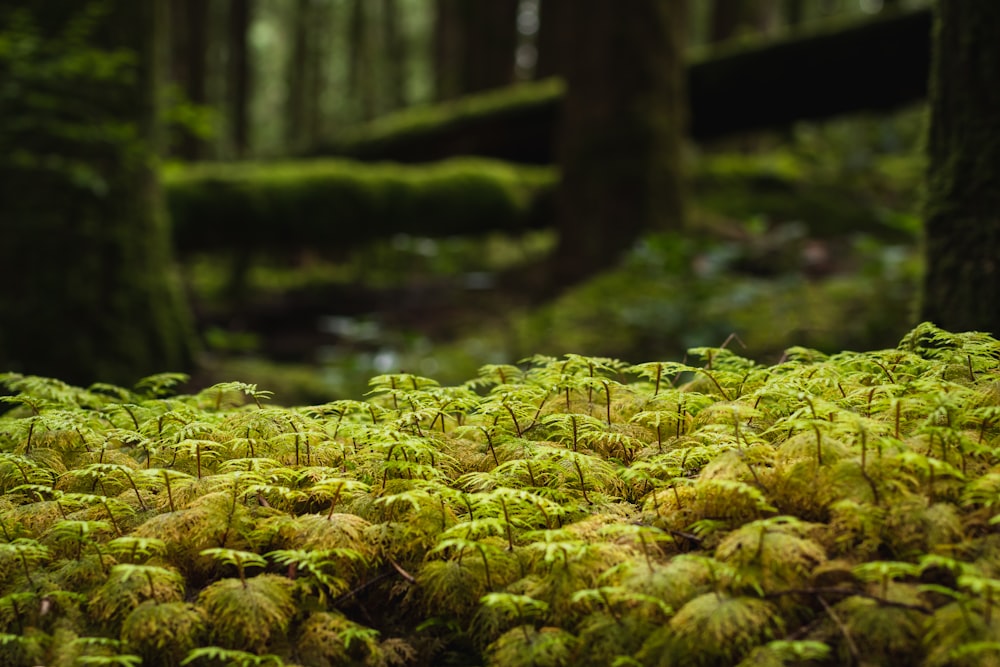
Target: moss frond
[
  {"x": 162, "y": 633},
  {"x": 246, "y": 615}
]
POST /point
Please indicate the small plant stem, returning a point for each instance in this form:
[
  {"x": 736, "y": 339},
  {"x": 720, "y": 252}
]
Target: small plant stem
[
  {"x": 645, "y": 551},
  {"x": 170, "y": 495},
  {"x": 885, "y": 370},
  {"x": 489, "y": 443},
  {"x": 111, "y": 516},
  {"x": 100, "y": 558},
  {"x": 506, "y": 519},
  {"x": 333, "y": 503},
  {"x": 131, "y": 414},
  {"x": 659, "y": 377},
  {"x": 486, "y": 565},
  {"x": 239, "y": 568},
  {"x": 851, "y": 646},
  {"x": 864, "y": 470},
  {"x": 513, "y": 417},
  {"x": 27, "y": 442},
  {"x": 607, "y": 395},
  {"x": 531, "y": 473},
  {"x": 583, "y": 485},
  {"x": 136, "y": 490},
  {"x": 819, "y": 445},
  {"x": 27, "y": 569},
  {"x": 718, "y": 386}
]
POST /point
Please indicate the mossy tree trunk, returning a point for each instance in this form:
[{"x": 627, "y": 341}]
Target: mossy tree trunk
[
  {"x": 88, "y": 292},
  {"x": 962, "y": 214},
  {"x": 619, "y": 141}
]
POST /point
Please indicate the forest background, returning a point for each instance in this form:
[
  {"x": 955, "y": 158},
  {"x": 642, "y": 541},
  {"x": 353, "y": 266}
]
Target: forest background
[{"x": 786, "y": 217}]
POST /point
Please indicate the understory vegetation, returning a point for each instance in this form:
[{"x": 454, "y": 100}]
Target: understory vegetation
[{"x": 827, "y": 509}]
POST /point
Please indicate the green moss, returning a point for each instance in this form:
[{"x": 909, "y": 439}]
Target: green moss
[
  {"x": 341, "y": 203},
  {"x": 572, "y": 510},
  {"x": 424, "y": 124}
]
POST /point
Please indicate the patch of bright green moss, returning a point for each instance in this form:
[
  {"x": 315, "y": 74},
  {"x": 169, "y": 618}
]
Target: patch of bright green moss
[{"x": 341, "y": 203}]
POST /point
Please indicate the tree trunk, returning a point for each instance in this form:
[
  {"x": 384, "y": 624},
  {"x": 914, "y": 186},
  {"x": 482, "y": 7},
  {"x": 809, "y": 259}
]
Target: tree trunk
[
  {"x": 361, "y": 75},
  {"x": 474, "y": 45},
  {"x": 449, "y": 49},
  {"x": 554, "y": 53},
  {"x": 189, "y": 42},
  {"x": 89, "y": 293},
  {"x": 296, "y": 118},
  {"x": 619, "y": 145},
  {"x": 396, "y": 55},
  {"x": 239, "y": 75},
  {"x": 491, "y": 42},
  {"x": 962, "y": 214}
]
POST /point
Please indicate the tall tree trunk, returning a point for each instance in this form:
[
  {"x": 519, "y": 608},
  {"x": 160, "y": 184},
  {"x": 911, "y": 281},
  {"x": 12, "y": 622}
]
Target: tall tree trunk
[
  {"x": 361, "y": 75},
  {"x": 554, "y": 54},
  {"x": 396, "y": 55},
  {"x": 962, "y": 214},
  {"x": 89, "y": 293},
  {"x": 619, "y": 145},
  {"x": 449, "y": 49},
  {"x": 475, "y": 42},
  {"x": 189, "y": 37},
  {"x": 491, "y": 42},
  {"x": 239, "y": 75},
  {"x": 297, "y": 63}
]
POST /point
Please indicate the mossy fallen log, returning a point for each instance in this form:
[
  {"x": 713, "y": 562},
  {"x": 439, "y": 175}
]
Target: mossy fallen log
[
  {"x": 341, "y": 203},
  {"x": 879, "y": 65}
]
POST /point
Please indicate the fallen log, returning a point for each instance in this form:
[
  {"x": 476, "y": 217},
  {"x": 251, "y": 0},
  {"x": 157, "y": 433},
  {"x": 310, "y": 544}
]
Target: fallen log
[{"x": 879, "y": 65}]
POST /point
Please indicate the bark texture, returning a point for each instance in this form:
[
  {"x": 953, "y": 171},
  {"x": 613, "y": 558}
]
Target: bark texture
[
  {"x": 619, "y": 142},
  {"x": 84, "y": 243},
  {"x": 962, "y": 215}
]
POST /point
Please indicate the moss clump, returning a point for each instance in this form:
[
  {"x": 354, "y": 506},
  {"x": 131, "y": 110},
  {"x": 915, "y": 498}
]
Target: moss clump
[{"x": 341, "y": 203}]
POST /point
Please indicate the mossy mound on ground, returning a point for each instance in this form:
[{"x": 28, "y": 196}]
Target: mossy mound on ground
[{"x": 568, "y": 511}]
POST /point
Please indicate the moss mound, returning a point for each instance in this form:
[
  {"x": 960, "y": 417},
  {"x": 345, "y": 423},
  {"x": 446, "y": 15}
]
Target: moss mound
[
  {"x": 341, "y": 203},
  {"x": 573, "y": 510}
]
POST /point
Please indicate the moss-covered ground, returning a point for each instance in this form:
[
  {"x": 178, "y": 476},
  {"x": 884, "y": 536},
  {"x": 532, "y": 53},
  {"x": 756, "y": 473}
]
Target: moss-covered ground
[{"x": 573, "y": 510}]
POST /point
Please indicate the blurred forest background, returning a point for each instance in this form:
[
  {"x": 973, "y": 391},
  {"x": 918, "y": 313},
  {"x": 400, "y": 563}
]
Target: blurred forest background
[{"x": 294, "y": 129}]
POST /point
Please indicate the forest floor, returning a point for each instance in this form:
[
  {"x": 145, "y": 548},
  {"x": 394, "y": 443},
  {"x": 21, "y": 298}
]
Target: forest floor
[{"x": 813, "y": 245}]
